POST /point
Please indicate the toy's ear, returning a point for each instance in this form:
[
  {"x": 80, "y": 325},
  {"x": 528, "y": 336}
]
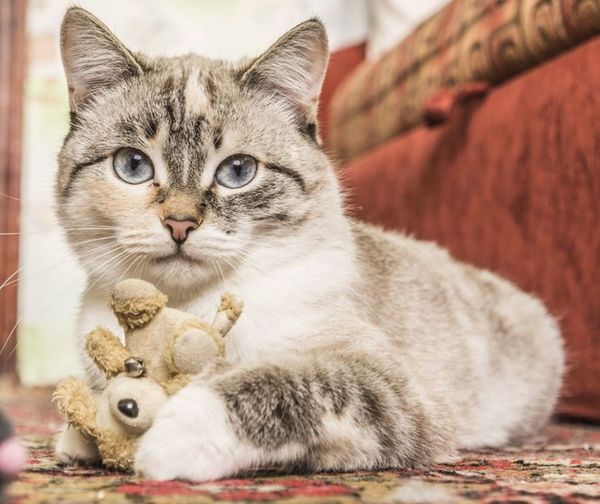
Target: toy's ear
[
  {"x": 76, "y": 404},
  {"x": 136, "y": 302},
  {"x": 107, "y": 352}
]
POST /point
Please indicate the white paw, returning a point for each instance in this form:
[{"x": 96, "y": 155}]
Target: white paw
[
  {"x": 73, "y": 448},
  {"x": 191, "y": 439}
]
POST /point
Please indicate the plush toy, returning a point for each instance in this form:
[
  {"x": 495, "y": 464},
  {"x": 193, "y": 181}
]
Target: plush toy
[{"x": 164, "y": 348}]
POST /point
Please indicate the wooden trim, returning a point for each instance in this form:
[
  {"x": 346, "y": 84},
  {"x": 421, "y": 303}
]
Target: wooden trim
[{"x": 12, "y": 73}]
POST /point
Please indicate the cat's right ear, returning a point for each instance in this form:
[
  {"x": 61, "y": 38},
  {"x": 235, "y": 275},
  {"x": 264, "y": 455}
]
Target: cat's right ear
[
  {"x": 93, "y": 58},
  {"x": 293, "y": 67}
]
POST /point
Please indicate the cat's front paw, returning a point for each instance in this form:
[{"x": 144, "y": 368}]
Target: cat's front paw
[
  {"x": 73, "y": 448},
  {"x": 191, "y": 439}
]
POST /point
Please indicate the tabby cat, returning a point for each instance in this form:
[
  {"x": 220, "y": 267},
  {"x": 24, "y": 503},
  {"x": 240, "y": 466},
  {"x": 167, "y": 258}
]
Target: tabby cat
[{"x": 358, "y": 348}]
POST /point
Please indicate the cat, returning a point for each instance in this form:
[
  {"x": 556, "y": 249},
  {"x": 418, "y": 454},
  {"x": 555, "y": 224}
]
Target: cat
[{"x": 358, "y": 348}]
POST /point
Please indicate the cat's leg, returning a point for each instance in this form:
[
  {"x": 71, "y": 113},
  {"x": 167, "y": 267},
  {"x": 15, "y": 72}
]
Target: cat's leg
[
  {"x": 326, "y": 411},
  {"x": 72, "y": 447}
]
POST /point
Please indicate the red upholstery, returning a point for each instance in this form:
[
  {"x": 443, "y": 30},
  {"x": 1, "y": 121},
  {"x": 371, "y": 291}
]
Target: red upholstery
[
  {"x": 512, "y": 183},
  {"x": 466, "y": 41},
  {"x": 341, "y": 63}
]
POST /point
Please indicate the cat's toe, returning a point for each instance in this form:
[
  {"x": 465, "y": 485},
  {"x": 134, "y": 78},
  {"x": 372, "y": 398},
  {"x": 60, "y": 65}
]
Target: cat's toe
[{"x": 190, "y": 439}]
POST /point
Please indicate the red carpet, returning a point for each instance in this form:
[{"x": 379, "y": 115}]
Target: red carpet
[{"x": 564, "y": 467}]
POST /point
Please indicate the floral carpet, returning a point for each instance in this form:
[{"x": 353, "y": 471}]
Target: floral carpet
[{"x": 563, "y": 466}]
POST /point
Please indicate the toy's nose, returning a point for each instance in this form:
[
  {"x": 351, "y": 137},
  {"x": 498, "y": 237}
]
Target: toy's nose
[
  {"x": 128, "y": 407},
  {"x": 179, "y": 228}
]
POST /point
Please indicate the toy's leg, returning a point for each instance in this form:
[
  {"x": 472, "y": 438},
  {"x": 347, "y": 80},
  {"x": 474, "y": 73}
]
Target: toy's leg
[
  {"x": 192, "y": 350},
  {"x": 72, "y": 447}
]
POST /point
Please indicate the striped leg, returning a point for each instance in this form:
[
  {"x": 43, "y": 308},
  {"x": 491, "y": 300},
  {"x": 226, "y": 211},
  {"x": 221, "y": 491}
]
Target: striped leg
[{"x": 321, "y": 412}]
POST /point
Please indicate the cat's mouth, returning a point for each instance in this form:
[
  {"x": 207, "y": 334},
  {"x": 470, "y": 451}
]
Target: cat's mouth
[{"x": 178, "y": 256}]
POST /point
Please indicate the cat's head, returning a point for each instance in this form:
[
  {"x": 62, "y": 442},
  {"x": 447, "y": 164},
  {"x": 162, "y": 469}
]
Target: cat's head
[{"x": 179, "y": 169}]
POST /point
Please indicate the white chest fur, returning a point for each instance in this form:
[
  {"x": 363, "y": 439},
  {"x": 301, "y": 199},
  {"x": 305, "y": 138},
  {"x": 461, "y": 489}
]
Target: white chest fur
[{"x": 284, "y": 305}]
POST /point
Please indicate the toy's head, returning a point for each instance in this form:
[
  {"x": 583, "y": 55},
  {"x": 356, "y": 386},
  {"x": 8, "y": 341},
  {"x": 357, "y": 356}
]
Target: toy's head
[
  {"x": 136, "y": 302},
  {"x": 130, "y": 404},
  {"x": 113, "y": 418}
]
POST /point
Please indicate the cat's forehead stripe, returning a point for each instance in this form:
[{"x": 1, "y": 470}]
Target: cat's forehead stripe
[
  {"x": 185, "y": 105},
  {"x": 196, "y": 98}
]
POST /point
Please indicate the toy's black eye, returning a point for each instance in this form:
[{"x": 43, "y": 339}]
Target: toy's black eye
[
  {"x": 236, "y": 171},
  {"x": 128, "y": 407},
  {"x": 132, "y": 166}
]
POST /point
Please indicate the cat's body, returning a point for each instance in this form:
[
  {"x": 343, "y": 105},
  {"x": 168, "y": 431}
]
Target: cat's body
[{"x": 357, "y": 348}]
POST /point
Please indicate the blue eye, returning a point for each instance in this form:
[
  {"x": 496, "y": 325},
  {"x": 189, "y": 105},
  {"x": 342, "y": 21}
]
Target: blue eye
[
  {"x": 236, "y": 171},
  {"x": 132, "y": 166}
]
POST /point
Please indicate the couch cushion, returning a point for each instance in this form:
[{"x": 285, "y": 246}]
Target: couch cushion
[
  {"x": 341, "y": 63},
  {"x": 511, "y": 184},
  {"x": 468, "y": 40}
]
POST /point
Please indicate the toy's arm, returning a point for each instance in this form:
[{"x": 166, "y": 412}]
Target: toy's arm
[
  {"x": 107, "y": 352},
  {"x": 229, "y": 312}
]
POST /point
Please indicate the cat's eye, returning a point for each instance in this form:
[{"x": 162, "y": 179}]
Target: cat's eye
[
  {"x": 236, "y": 171},
  {"x": 132, "y": 166}
]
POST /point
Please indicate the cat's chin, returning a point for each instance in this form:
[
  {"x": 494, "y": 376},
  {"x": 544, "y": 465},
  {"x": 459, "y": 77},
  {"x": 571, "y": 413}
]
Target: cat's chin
[
  {"x": 179, "y": 273},
  {"x": 179, "y": 258}
]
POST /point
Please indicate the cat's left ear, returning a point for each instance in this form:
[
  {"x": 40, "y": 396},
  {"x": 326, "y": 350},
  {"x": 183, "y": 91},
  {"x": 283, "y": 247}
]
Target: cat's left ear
[
  {"x": 294, "y": 67},
  {"x": 93, "y": 58}
]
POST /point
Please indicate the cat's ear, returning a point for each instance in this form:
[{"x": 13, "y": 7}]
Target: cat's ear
[
  {"x": 294, "y": 67},
  {"x": 93, "y": 58}
]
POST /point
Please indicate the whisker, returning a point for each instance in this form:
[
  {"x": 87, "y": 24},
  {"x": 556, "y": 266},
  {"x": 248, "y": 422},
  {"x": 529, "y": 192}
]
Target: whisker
[
  {"x": 134, "y": 261},
  {"x": 214, "y": 268},
  {"x": 140, "y": 267},
  {"x": 230, "y": 264},
  {"x": 8, "y": 338},
  {"x": 44, "y": 269},
  {"x": 7, "y": 281},
  {"x": 54, "y": 230},
  {"x": 113, "y": 262},
  {"x": 8, "y": 196},
  {"x": 220, "y": 271},
  {"x": 20, "y": 319}
]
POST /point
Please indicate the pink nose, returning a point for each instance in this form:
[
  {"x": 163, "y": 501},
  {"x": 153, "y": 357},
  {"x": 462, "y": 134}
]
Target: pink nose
[{"x": 179, "y": 228}]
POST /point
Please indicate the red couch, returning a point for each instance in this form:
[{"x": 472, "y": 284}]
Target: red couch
[{"x": 510, "y": 183}]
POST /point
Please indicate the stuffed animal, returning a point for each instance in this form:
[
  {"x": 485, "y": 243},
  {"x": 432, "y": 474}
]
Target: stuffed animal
[{"x": 163, "y": 349}]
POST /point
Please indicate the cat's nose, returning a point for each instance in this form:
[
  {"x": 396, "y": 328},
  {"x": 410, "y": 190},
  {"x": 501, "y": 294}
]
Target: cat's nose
[{"x": 180, "y": 229}]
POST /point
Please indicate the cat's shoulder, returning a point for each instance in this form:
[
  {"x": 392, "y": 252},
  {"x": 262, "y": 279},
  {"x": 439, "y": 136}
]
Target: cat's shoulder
[{"x": 374, "y": 243}]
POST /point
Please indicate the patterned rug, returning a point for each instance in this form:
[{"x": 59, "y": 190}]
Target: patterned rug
[{"x": 561, "y": 467}]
